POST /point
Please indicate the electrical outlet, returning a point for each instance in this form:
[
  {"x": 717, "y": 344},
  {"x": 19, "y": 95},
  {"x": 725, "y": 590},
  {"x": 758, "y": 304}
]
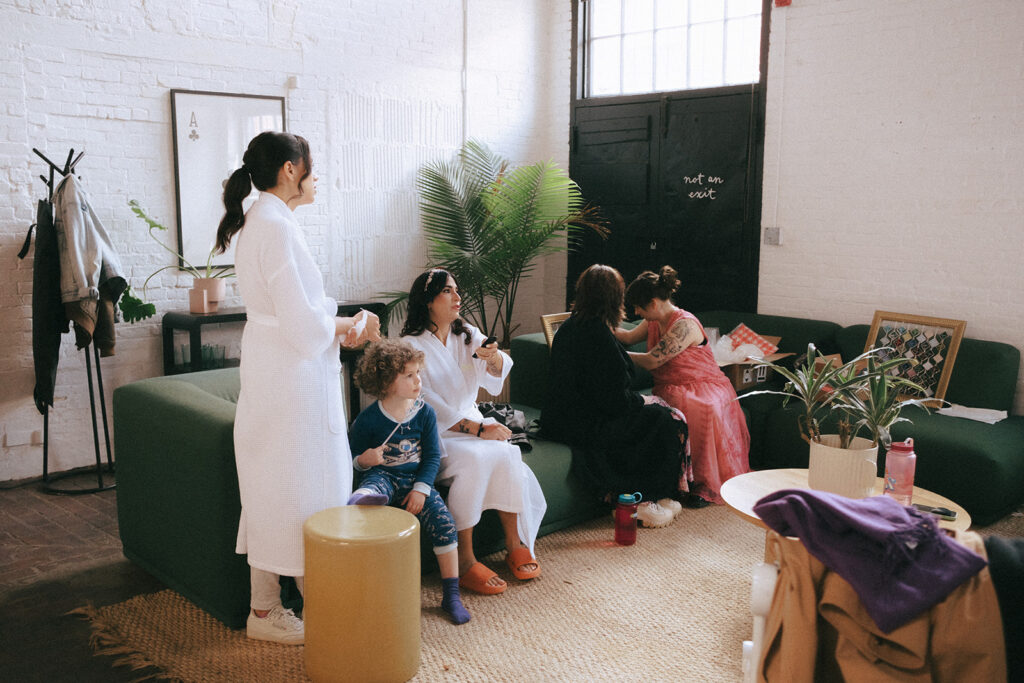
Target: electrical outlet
[{"x": 773, "y": 236}]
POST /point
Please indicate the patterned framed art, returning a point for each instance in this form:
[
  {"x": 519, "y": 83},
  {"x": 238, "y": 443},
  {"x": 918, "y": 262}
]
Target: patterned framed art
[{"x": 928, "y": 344}]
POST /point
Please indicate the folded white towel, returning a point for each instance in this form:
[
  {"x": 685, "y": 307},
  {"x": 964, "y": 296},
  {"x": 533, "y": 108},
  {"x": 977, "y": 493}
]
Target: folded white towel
[{"x": 979, "y": 414}]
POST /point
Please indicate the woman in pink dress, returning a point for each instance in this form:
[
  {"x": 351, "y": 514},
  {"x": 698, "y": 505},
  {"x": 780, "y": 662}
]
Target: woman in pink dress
[{"x": 687, "y": 377}]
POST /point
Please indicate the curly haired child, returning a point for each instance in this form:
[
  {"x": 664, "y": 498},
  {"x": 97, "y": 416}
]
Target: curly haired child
[{"x": 399, "y": 455}]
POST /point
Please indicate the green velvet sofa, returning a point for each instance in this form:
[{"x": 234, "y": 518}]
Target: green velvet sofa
[{"x": 178, "y": 502}]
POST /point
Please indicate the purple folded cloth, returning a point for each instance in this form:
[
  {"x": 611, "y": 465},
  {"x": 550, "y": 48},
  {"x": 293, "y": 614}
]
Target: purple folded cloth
[{"x": 894, "y": 557}]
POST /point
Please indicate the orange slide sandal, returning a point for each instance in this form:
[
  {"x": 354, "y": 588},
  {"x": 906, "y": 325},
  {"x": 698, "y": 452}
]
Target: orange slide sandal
[
  {"x": 476, "y": 578},
  {"x": 519, "y": 557}
]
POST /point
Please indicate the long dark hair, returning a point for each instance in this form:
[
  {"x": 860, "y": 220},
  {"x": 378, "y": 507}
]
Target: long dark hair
[
  {"x": 263, "y": 158},
  {"x": 599, "y": 295},
  {"x": 649, "y": 286},
  {"x": 425, "y": 289}
]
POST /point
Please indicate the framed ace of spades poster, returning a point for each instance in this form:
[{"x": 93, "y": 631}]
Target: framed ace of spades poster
[{"x": 210, "y": 131}]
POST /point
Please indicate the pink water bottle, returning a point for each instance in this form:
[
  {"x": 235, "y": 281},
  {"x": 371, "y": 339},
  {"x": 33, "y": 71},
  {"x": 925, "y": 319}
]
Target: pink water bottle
[
  {"x": 625, "y": 518},
  {"x": 900, "y": 462}
]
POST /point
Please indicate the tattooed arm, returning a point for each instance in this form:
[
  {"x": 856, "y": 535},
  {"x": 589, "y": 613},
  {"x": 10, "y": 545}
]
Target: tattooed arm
[
  {"x": 682, "y": 335},
  {"x": 465, "y": 426}
]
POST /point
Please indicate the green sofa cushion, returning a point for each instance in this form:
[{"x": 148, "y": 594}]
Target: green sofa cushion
[{"x": 984, "y": 372}]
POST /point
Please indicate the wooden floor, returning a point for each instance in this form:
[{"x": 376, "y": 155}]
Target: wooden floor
[{"x": 58, "y": 553}]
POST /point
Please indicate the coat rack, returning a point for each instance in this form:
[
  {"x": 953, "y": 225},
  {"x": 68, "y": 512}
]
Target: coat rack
[{"x": 49, "y": 481}]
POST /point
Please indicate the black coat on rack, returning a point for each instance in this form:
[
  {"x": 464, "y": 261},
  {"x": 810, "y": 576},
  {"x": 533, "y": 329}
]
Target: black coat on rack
[{"x": 49, "y": 322}]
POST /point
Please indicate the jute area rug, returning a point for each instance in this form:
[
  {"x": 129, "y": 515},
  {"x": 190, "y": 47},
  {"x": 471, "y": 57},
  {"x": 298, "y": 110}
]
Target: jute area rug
[{"x": 675, "y": 606}]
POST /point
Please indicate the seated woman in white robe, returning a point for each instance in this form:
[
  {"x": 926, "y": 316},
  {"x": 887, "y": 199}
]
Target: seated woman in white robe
[{"x": 482, "y": 470}]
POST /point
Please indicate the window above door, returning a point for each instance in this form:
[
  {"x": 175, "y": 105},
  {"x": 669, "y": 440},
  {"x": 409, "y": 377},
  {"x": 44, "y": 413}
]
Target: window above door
[{"x": 632, "y": 47}]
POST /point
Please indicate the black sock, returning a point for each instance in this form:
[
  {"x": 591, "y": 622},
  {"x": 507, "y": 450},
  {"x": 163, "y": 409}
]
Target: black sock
[{"x": 452, "y": 601}]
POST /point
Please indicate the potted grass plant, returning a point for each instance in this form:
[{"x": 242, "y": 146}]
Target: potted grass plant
[
  {"x": 487, "y": 223},
  {"x": 208, "y": 284},
  {"x": 865, "y": 397}
]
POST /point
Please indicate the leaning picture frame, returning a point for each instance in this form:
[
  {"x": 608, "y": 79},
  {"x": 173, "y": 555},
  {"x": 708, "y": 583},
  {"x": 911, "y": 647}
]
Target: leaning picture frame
[
  {"x": 210, "y": 131},
  {"x": 550, "y": 323},
  {"x": 928, "y": 345}
]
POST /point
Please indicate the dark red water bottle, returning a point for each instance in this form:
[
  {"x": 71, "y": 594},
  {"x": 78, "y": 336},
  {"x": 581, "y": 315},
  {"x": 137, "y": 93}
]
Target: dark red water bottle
[{"x": 625, "y": 518}]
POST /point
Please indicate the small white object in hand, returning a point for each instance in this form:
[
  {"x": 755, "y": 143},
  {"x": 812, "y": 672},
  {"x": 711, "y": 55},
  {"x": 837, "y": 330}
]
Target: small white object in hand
[{"x": 360, "y": 325}]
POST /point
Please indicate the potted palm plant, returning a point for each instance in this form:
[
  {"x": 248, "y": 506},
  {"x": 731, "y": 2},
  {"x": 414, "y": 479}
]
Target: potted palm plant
[
  {"x": 208, "y": 285},
  {"x": 865, "y": 397},
  {"x": 487, "y": 223}
]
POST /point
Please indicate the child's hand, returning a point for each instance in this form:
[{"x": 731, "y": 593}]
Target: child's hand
[
  {"x": 414, "y": 502},
  {"x": 371, "y": 457}
]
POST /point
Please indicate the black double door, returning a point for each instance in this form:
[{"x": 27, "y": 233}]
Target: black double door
[{"x": 678, "y": 179}]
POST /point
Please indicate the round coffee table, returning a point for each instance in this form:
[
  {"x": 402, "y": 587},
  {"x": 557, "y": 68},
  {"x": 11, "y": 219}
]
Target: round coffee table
[{"x": 742, "y": 492}]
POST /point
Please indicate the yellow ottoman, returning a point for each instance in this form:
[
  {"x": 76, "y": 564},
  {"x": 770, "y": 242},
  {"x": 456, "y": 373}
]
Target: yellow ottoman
[{"x": 362, "y": 594}]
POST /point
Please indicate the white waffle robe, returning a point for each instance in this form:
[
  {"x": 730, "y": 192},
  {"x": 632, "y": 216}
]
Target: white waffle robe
[
  {"x": 291, "y": 449},
  {"x": 481, "y": 474}
]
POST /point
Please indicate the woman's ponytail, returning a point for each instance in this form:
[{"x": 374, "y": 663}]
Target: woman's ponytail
[
  {"x": 238, "y": 187},
  {"x": 263, "y": 159}
]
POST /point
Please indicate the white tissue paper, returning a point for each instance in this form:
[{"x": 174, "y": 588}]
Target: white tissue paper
[
  {"x": 356, "y": 331},
  {"x": 979, "y": 414},
  {"x": 726, "y": 355}
]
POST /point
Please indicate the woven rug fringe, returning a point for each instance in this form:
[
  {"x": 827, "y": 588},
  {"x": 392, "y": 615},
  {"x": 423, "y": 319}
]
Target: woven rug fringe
[{"x": 105, "y": 640}]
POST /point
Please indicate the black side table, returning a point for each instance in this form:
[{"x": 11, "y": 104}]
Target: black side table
[{"x": 193, "y": 323}]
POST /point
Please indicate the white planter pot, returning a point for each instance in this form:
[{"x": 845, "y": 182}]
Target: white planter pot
[
  {"x": 849, "y": 472},
  {"x": 214, "y": 289}
]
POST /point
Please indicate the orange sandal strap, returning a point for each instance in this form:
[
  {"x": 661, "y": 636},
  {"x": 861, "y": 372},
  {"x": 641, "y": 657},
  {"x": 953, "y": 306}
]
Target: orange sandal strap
[
  {"x": 476, "y": 578},
  {"x": 519, "y": 557}
]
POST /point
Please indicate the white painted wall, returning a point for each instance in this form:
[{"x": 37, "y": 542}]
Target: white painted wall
[
  {"x": 380, "y": 91},
  {"x": 894, "y": 162}
]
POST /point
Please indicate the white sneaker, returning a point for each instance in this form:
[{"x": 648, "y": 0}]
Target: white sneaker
[
  {"x": 672, "y": 505},
  {"x": 653, "y": 515},
  {"x": 279, "y": 626}
]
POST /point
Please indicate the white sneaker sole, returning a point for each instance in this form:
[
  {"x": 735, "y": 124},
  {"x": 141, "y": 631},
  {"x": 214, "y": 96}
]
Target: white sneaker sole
[{"x": 291, "y": 640}]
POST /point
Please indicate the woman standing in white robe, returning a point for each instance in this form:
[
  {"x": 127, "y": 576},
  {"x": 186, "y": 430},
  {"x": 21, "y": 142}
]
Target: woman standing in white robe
[
  {"x": 483, "y": 471},
  {"x": 291, "y": 449}
]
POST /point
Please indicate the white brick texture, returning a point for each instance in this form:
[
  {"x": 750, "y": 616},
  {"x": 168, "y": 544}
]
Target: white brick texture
[
  {"x": 380, "y": 92},
  {"x": 894, "y": 158}
]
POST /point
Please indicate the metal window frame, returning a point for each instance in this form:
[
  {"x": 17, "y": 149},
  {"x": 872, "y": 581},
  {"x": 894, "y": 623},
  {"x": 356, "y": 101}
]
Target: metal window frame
[{"x": 582, "y": 57}]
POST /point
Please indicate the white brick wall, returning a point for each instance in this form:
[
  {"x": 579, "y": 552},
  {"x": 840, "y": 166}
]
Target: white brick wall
[
  {"x": 894, "y": 160},
  {"x": 380, "y": 93}
]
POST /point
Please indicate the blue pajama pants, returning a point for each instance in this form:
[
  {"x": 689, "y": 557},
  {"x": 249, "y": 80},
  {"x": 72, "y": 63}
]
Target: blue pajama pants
[{"x": 434, "y": 518}]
